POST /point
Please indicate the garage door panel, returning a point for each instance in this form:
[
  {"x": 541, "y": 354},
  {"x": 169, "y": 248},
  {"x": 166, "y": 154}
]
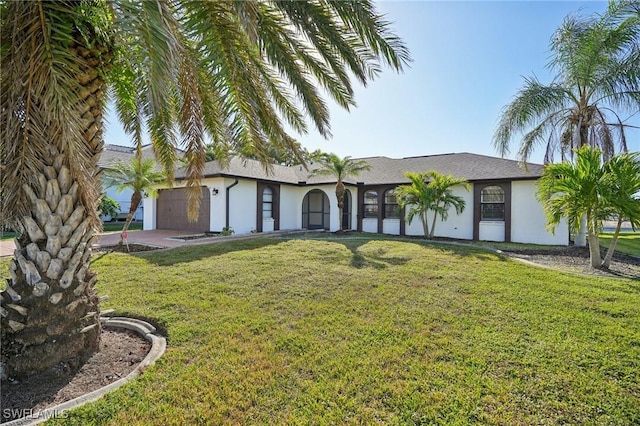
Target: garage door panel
[{"x": 172, "y": 211}]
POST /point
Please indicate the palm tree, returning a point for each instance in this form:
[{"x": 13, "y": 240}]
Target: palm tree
[
  {"x": 574, "y": 190},
  {"x": 430, "y": 191},
  {"x": 339, "y": 168},
  {"x": 232, "y": 72},
  {"x": 622, "y": 189},
  {"x": 596, "y": 61},
  {"x": 139, "y": 175}
]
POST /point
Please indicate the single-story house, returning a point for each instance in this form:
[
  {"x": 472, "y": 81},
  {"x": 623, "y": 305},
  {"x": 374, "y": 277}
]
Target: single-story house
[{"x": 501, "y": 205}]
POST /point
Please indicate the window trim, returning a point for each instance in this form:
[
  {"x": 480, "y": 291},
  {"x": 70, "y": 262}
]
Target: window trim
[
  {"x": 269, "y": 203},
  {"x": 390, "y": 193},
  {"x": 493, "y": 204},
  {"x": 373, "y": 212}
]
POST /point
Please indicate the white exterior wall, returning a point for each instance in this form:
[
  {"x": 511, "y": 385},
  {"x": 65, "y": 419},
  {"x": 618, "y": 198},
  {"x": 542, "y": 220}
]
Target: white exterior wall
[
  {"x": 456, "y": 226},
  {"x": 242, "y": 206},
  {"x": 390, "y": 226},
  {"x": 291, "y": 207},
  {"x": 370, "y": 224},
  {"x": 528, "y": 219},
  {"x": 218, "y": 206},
  {"x": 491, "y": 230},
  {"x": 149, "y": 208}
]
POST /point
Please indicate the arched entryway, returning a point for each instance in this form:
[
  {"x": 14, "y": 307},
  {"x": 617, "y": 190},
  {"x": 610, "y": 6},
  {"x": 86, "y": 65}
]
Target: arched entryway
[
  {"x": 346, "y": 211},
  {"x": 315, "y": 210}
]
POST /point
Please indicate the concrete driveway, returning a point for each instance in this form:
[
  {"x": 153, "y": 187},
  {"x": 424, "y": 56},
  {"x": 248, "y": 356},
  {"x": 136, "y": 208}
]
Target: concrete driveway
[{"x": 157, "y": 238}]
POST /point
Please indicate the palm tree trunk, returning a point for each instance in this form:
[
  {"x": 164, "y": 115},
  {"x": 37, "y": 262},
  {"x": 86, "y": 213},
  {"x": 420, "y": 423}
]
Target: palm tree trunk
[
  {"x": 50, "y": 310},
  {"x": 425, "y": 224},
  {"x": 594, "y": 243},
  {"x": 340, "y": 196},
  {"x": 580, "y": 239},
  {"x": 606, "y": 263},
  {"x": 136, "y": 198},
  {"x": 433, "y": 225}
]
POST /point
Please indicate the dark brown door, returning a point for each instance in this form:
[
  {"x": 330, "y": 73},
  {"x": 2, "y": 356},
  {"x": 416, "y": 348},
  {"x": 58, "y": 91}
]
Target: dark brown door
[{"x": 172, "y": 211}]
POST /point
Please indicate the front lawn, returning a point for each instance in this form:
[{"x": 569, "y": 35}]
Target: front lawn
[
  {"x": 628, "y": 242},
  {"x": 359, "y": 331}
]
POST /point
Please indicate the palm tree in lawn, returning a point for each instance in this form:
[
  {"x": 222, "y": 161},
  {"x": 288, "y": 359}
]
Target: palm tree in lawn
[
  {"x": 596, "y": 88},
  {"x": 575, "y": 190},
  {"x": 188, "y": 72},
  {"x": 430, "y": 191},
  {"x": 340, "y": 169},
  {"x": 621, "y": 191},
  {"x": 140, "y": 176}
]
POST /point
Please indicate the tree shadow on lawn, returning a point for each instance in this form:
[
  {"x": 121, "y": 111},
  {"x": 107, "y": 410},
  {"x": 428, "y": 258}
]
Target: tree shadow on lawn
[
  {"x": 187, "y": 254},
  {"x": 378, "y": 258},
  {"x": 383, "y": 258}
]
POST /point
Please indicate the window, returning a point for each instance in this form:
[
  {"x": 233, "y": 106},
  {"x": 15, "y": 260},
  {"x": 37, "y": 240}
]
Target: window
[
  {"x": 492, "y": 203},
  {"x": 371, "y": 204},
  {"x": 390, "y": 205},
  {"x": 267, "y": 203}
]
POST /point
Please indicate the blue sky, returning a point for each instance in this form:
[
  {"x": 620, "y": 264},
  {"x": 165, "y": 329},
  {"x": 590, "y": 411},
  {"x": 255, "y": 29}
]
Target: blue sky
[{"x": 469, "y": 61}]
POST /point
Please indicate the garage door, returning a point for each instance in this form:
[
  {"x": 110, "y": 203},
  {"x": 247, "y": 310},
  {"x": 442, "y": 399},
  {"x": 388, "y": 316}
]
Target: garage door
[{"x": 172, "y": 211}]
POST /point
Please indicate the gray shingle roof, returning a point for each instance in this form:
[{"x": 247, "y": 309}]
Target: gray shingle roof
[
  {"x": 472, "y": 167},
  {"x": 384, "y": 170},
  {"x": 117, "y": 153}
]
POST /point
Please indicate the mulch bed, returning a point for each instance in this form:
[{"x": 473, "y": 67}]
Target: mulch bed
[
  {"x": 576, "y": 260},
  {"x": 133, "y": 248},
  {"x": 120, "y": 353}
]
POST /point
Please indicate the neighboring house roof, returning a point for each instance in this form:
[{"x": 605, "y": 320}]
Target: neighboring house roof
[
  {"x": 384, "y": 170},
  {"x": 112, "y": 154}
]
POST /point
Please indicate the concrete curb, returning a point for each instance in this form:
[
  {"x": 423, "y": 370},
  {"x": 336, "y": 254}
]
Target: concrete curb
[{"x": 146, "y": 330}]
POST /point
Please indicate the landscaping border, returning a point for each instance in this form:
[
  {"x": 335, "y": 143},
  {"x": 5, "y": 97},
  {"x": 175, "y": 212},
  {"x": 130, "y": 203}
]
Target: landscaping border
[{"x": 146, "y": 330}]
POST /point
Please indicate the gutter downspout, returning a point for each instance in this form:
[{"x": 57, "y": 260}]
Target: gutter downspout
[{"x": 227, "y": 201}]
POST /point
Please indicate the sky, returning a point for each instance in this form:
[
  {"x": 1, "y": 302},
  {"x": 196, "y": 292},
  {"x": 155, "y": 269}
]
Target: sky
[{"x": 469, "y": 60}]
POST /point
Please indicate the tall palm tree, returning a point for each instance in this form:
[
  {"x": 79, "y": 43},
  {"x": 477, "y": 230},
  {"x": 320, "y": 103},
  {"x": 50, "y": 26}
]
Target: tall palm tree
[
  {"x": 595, "y": 90},
  {"x": 575, "y": 190},
  {"x": 597, "y": 82},
  {"x": 339, "y": 168},
  {"x": 623, "y": 194},
  {"x": 139, "y": 175},
  {"x": 233, "y": 72},
  {"x": 430, "y": 191}
]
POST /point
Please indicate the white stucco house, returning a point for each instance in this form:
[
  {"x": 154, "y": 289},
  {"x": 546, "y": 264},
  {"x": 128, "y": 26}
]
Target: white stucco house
[{"x": 501, "y": 205}]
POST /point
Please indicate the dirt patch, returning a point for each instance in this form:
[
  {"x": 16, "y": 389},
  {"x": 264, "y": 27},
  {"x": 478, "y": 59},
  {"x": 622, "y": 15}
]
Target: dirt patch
[
  {"x": 120, "y": 352},
  {"x": 132, "y": 248}
]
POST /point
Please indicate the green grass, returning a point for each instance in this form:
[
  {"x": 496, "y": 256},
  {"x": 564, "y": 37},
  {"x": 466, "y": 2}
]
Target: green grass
[
  {"x": 365, "y": 331},
  {"x": 628, "y": 242},
  {"x": 117, "y": 226}
]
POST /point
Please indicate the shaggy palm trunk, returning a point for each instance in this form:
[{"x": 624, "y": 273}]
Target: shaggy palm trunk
[
  {"x": 49, "y": 308},
  {"x": 340, "y": 196},
  {"x": 606, "y": 263}
]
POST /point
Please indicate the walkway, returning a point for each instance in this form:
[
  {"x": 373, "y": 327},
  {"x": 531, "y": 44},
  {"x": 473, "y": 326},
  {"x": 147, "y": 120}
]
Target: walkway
[
  {"x": 157, "y": 238},
  {"x": 160, "y": 238}
]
